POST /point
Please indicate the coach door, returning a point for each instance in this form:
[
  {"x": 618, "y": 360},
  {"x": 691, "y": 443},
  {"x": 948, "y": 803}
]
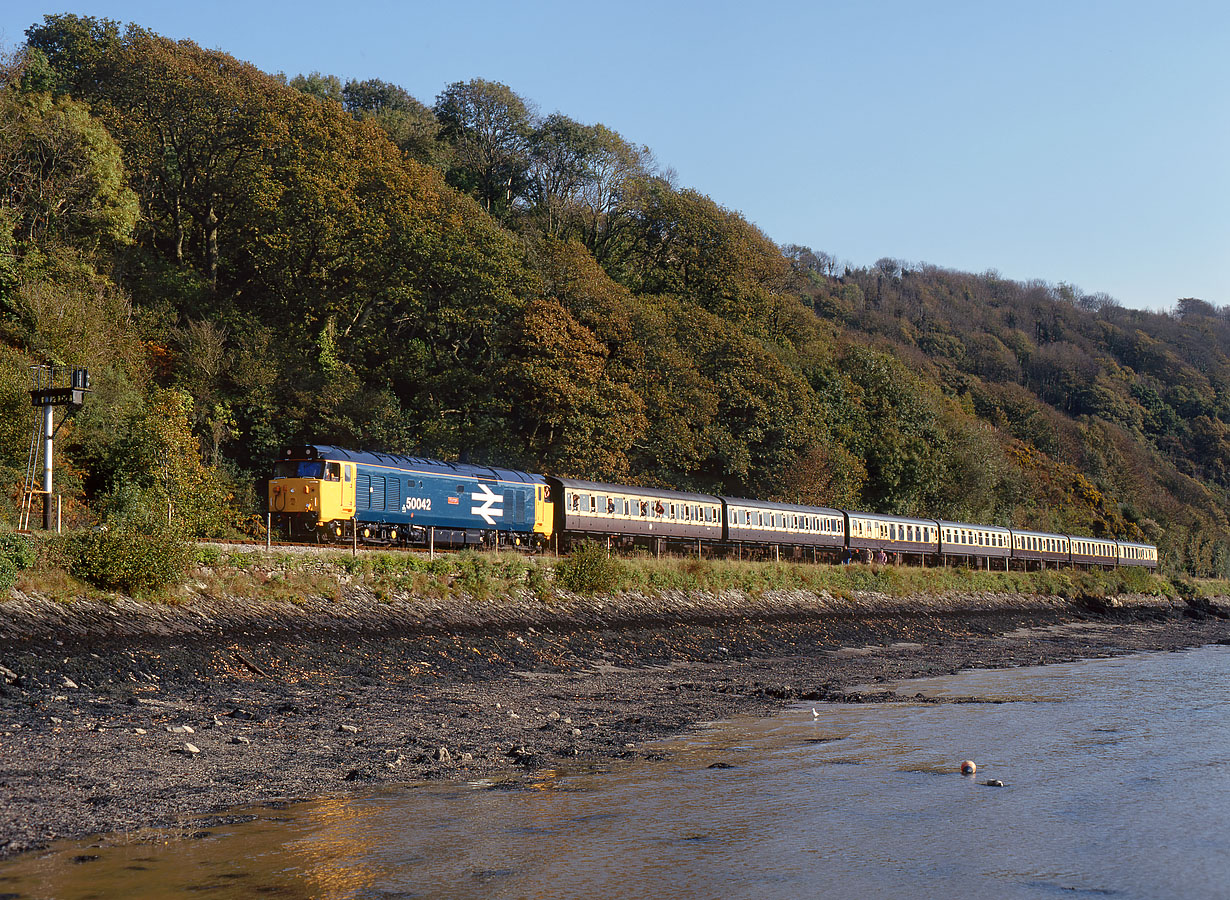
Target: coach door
[{"x": 348, "y": 488}]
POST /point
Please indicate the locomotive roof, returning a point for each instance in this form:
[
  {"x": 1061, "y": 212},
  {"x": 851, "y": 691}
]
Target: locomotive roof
[
  {"x": 631, "y": 489},
  {"x": 782, "y": 507},
  {"x": 416, "y": 463}
]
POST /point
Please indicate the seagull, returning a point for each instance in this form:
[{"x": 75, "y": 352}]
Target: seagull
[{"x": 814, "y": 714}]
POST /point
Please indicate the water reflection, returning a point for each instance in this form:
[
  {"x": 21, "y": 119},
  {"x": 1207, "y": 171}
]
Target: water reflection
[{"x": 1116, "y": 780}]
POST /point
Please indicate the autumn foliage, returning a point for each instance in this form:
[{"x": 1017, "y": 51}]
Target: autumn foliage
[{"x": 247, "y": 261}]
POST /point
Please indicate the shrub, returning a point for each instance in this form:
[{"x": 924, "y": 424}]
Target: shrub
[
  {"x": 208, "y": 556},
  {"x": 16, "y": 554},
  {"x": 589, "y": 570},
  {"x": 124, "y": 559}
]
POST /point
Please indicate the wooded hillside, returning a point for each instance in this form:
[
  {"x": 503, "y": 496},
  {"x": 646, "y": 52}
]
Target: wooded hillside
[{"x": 247, "y": 261}]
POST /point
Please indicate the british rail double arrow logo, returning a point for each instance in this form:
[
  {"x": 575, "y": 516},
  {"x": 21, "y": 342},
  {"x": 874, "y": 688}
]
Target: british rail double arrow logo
[{"x": 488, "y": 509}]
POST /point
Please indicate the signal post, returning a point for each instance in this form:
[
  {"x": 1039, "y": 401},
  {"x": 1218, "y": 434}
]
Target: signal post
[{"x": 47, "y": 395}]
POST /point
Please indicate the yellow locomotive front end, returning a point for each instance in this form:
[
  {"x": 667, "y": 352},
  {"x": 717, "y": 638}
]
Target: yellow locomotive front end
[{"x": 310, "y": 496}]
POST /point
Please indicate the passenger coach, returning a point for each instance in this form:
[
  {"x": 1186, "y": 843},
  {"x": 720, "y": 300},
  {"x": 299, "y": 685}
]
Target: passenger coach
[
  {"x": 1041, "y": 547},
  {"x": 1131, "y": 554},
  {"x": 893, "y": 534},
  {"x": 981, "y": 542},
  {"x": 633, "y": 514},
  {"x": 784, "y": 524}
]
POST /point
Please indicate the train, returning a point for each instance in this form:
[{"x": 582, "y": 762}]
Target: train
[{"x": 326, "y": 493}]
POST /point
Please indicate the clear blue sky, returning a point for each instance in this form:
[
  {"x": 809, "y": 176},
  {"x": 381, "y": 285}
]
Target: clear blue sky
[{"x": 1086, "y": 142}]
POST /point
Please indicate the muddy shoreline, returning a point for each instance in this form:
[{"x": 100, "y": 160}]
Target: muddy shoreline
[{"x": 126, "y": 718}]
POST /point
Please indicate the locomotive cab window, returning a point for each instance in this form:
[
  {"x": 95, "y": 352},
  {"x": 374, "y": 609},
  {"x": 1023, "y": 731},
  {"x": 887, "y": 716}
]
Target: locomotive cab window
[{"x": 302, "y": 469}]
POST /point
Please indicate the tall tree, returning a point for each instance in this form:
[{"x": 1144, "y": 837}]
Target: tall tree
[
  {"x": 488, "y": 127},
  {"x": 408, "y": 123}
]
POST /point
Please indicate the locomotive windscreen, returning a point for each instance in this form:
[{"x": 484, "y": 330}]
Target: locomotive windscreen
[{"x": 301, "y": 469}]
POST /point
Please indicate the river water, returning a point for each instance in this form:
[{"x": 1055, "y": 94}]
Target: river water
[{"x": 1116, "y": 780}]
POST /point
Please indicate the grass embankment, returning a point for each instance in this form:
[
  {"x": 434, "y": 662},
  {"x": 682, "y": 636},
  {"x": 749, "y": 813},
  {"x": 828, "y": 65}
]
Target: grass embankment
[{"x": 54, "y": 571}]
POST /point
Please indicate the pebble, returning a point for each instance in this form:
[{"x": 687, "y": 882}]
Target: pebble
[
  {"x": 69, "y": 683},
  {"x": 56, "y": 721},
  {"x": 349, "y": 729},
  {"x": 553, "y": 715},
  {"x": 576, "y": 732},
  {"x": 240, "y": 739},
  {"x": 180, "y": 729},
  {"x": 191, "y": 749},
  {"x": 139, "y": 731}
]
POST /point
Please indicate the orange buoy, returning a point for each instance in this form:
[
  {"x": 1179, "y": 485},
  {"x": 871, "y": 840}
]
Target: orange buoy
[{"x": 968, "y": 767}]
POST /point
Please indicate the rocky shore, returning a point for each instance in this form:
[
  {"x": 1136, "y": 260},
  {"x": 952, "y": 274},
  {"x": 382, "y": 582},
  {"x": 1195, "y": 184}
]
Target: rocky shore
[{"x": 117, "y": 715}]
